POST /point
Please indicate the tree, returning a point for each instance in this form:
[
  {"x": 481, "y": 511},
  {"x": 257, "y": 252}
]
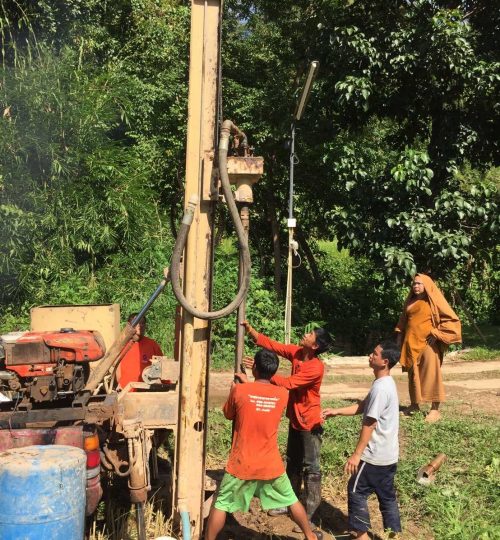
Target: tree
[{"x": 404, "y": 107}]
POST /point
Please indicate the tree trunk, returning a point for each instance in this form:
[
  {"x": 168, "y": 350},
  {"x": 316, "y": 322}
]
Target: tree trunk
[{"x": 304, "y": 246}]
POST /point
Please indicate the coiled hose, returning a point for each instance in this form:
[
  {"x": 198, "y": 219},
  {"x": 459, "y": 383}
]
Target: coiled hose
[{"x": 227, "y": 128}]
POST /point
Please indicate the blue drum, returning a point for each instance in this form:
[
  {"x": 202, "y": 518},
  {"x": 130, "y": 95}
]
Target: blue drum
[{"x": 42, "y": 493}]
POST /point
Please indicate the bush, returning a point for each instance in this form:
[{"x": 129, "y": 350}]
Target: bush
[
  {"x": 264, "y": 311},
  {"x": 358, "y": 302}
]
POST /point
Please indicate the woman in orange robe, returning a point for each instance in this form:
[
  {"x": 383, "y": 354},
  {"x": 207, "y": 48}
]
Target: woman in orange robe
[{"x": 425, "y": 329}]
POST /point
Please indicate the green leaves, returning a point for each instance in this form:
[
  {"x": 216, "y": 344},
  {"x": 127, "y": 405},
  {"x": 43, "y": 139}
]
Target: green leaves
[
  {"x": 411, "y": 171},
  {"x": 90, "y": 149}
]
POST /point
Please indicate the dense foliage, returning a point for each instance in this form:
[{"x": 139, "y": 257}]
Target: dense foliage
[{"x": 398, "y": 155}]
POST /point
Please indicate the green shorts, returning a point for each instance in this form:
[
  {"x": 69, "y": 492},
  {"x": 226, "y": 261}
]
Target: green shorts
[{"x": 235, "y": 494}]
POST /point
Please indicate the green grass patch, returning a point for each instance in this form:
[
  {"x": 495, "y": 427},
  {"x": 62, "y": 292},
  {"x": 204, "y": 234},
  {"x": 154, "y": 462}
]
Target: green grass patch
[
  {"x": 480, "y": 354},
  {"x": 480, "y": 375},
  {"x": 464, "y": 501}
]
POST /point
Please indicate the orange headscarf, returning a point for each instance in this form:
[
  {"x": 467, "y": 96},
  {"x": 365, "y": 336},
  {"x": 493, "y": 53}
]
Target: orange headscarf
[{"x": 445, "y": 322}]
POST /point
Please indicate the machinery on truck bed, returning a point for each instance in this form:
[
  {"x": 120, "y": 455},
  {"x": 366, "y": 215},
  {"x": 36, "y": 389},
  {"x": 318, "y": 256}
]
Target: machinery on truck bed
[
  {"x": 45, "y": 373},
  {"x": 60, "y": 377}
]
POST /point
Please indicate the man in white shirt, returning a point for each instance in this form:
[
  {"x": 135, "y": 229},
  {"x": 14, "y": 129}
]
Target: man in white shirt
[{"x": 373, "y": 464}]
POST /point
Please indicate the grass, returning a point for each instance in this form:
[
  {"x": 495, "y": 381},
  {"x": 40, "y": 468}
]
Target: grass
[
  {"x": 480, "y": 354},
  {"x": 115, "y": 520},
  {"x": 462, "y": 504},
  {"x": 366, "y": 379},
  {"x": 477, "y": 349}
]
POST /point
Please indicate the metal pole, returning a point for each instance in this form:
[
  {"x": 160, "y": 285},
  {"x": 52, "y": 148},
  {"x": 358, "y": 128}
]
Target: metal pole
[
  {"x": 189, "y": 490},
  {"x": 240, "y": 331},
  {"x": 291, "y": 226}
]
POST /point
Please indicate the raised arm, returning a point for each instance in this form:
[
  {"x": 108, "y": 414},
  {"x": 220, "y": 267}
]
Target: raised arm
[
  {"x": 285, "y": 351},
  {"x": 250, "y": 330}
]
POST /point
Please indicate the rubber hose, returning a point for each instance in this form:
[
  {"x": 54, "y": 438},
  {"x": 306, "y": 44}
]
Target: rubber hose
[{"x": 227, "y": 128}]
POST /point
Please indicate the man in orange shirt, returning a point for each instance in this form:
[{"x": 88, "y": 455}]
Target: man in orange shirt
[
  {"x": 304, "y": 410},
  {"x": 138, "y": 356},
  {"x": 255, "y": 467}
]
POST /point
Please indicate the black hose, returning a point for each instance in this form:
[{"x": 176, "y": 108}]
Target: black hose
[{"x": 227, "y": 128}]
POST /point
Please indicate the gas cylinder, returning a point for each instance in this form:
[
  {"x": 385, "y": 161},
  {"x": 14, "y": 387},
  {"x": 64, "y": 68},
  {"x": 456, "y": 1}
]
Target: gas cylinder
[{"x": 42, "y": 493}]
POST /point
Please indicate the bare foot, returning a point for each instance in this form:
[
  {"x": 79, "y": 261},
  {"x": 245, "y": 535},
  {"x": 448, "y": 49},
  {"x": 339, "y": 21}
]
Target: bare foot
[{"x": 433, "y": 416}]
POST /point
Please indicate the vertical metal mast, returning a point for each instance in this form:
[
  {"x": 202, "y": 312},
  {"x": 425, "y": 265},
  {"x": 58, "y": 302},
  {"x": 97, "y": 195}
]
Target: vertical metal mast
[{"x": 194, "y": 338}]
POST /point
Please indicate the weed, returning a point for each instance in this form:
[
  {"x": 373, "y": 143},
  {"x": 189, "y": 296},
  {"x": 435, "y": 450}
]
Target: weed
[{"x": 480, "y": 354}]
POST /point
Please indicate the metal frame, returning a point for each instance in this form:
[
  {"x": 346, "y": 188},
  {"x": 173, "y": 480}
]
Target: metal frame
[{"x": 189, "y": 484}]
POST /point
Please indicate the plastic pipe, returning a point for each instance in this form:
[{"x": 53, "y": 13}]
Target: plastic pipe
[{"x": 186, "y": 525}]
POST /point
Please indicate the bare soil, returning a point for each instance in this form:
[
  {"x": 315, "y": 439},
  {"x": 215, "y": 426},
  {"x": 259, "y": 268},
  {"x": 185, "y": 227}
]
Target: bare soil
[
  {"x": 473, "y": 394},
  {"x": 476, "y": 393}
]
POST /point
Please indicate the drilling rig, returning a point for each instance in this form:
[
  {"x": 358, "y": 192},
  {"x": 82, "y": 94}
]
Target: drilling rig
[{"x": 60, "y": 375}]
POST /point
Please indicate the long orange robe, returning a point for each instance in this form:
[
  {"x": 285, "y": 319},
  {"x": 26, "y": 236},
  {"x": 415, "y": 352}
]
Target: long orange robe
[{"x": 420, "y": 320}]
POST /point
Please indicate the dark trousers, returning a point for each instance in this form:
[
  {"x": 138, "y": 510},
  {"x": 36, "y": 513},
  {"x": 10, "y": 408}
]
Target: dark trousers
[
  {"x": 378, "y": 479},
  {"x": 303, "y": 451}
]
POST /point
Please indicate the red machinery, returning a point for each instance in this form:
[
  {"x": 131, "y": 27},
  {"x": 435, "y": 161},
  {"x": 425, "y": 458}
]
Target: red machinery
[{"x": 44, "y": 366}]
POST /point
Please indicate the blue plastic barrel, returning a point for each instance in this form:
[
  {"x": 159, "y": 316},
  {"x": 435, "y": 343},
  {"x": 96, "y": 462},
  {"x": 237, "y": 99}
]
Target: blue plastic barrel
[{"x": 42, "y": 493}]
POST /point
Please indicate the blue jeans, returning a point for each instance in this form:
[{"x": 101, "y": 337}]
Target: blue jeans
[{"x": 378, "y": 479}]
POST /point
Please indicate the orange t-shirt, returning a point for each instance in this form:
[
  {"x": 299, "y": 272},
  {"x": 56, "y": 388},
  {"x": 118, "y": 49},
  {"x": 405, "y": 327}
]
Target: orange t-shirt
[
  {"x": 136, "y": 359},
  {"x": 256, "y": 409},
  {"x": 304, "y": 402}
]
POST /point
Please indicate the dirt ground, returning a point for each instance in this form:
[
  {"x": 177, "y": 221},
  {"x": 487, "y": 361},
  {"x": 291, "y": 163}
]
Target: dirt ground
[{"x": 470, "y": 387}]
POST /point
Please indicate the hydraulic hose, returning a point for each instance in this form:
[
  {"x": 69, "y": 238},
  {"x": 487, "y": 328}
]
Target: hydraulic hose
[{"x": 227, "y": 128}]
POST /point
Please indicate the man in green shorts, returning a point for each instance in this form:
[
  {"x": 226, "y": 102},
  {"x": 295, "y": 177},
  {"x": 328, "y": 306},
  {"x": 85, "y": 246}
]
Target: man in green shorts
[{"x": 255, "y": 467}]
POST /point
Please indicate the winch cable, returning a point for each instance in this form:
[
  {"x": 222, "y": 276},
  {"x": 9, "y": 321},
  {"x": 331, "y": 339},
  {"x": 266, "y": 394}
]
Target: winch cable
[{"x": 227, "y": 129}]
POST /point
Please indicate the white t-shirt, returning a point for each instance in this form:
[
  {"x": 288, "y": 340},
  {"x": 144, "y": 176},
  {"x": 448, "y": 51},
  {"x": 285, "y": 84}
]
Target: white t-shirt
[{"x": 382, "y": 404}]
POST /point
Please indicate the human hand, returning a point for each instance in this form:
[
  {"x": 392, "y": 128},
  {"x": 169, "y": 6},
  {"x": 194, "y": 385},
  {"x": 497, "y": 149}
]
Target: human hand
[
  {"x": 249, "y": 330},
  {"x": 328, "y": 413},
  {"x": 248, "y": 362},
  {"x": 351, "y": 467},
  {"x": 241, "y": 377},
  {"x": 247, "y": 326}
]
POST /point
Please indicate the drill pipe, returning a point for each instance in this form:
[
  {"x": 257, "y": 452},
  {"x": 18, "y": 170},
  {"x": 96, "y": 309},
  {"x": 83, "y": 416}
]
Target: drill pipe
[{"x": 427, "y": 473}]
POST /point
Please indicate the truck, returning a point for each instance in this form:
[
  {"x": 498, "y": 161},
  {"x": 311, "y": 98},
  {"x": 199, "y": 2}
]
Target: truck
[{"x": 43, "y": 371}]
